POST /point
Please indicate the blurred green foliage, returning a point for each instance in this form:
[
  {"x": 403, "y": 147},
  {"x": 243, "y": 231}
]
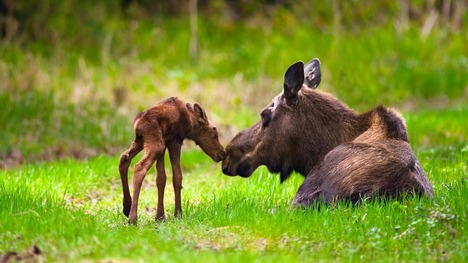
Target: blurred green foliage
[{"x": 73, "y": 73}]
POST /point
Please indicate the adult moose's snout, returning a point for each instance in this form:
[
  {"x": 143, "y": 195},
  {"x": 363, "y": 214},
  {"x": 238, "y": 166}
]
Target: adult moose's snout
[
  {"x": 226, "y": 167},
  {"x": 220, "y": 156}
]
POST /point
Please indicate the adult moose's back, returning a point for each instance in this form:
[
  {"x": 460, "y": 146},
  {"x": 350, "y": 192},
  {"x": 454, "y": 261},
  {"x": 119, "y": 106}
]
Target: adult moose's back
[{"x": 343, "y": 154}]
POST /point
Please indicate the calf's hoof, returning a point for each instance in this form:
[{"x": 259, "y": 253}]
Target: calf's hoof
[
  {"x": 161, "y": 217},
  {"x": 178, "y": 214},
  {"x": 132, "y": 221},
  {"x": 126, "y": 210}
]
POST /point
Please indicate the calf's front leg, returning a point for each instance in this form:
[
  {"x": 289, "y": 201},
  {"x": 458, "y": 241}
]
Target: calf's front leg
[
  {"x": 161, "y": 184},
  {"x": 174, "y": 155}
]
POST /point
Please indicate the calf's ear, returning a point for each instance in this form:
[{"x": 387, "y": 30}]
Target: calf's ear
[
  {"x": 293, "y": 80},
  {"x": 312, "y": 73},
  {"x": 199, "y": 111}
]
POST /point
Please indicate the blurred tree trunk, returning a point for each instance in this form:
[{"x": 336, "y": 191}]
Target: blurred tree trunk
[
  {"x": 430, "y": 20},
  {"x": 193, "y": 49},
  {"x": 8, "y": 23},
  {"x": 459, "y": 9},
  {"x": 404, "y": 14},
  {"x": 446, "y": 4},
  {"x": 336, "y": 17}
]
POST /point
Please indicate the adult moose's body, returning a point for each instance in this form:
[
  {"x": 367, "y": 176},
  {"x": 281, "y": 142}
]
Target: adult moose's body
[{"x": 342, "y": 154}]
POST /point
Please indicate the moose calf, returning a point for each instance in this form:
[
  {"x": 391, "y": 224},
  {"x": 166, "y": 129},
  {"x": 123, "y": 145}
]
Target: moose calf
[
  {"x": 162, "y": 127},
  {"x": 343, "y": 154}
]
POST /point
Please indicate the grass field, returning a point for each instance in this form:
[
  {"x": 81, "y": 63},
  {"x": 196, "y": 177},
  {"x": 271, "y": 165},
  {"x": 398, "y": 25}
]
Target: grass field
[{"x": 71, "y": 209}]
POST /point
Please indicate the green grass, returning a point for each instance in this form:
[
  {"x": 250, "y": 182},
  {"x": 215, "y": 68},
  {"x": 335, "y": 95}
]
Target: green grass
[
  {"x": 438, "y": 127},
  {"x": 42, "y": 128},
  {"x": 71, "y": 211}
]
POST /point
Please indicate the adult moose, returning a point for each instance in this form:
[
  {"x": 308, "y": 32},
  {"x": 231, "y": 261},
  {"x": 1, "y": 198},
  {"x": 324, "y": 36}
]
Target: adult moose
[
  {"x": 343, "y": 154},
  {"x": 162, "y": 127}
]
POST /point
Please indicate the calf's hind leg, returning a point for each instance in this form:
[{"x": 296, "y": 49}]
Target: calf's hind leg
[
  {"x": 141, "y": 168},
  {"x": 124, "y": 163}
]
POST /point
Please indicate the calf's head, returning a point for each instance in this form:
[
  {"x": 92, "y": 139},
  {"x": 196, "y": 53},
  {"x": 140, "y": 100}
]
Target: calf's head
[
  {"x": 293, "y": 131},
  {"x": 205, "y": 134}
]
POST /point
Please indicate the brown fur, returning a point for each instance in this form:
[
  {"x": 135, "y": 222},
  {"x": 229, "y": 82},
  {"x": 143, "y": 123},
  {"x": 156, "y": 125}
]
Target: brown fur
[
  {"x": 379, "y": 162},
  {"x": 342, "y": 154},
  {"x": 162, "y": 127}
]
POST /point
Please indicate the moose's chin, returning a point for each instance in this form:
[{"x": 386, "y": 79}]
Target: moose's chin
[
  {"x": 244, "y": 174},
  {"x": 245, "y": 169},
  {"x": 228, "y": 169}
]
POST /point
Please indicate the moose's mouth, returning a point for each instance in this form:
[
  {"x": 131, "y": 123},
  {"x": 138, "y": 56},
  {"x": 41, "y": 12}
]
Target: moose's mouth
[
  {"x": 226, "y": 167},
  {"x": 220, "y": 156},
  {"x": 243, "y": 168}
]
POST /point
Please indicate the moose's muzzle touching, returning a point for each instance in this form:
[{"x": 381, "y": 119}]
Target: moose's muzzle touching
[
  {"x": 162, "y": 127},
  {"x": 343, "y": 154}
]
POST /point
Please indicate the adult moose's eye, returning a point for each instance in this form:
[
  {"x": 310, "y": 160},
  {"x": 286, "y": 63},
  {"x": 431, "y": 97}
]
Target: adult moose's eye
[{"x": 266, "y": 117}]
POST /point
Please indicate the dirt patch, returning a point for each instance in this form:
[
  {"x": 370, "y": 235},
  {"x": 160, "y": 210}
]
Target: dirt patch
[
  {"x": 16, "y": 158},
  {"x": 32, "y": 254}
]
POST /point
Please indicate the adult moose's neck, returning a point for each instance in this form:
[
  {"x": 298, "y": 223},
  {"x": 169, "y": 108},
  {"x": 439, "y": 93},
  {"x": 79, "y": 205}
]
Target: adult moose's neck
[{"x": 327, "y": 123}]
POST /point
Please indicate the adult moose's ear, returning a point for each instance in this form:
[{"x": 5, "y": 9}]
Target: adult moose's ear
[
  {"x": 199, "y": 111},
  {"x": 189, "y": 106},
  {"x": 312, "y": 73},
  {"x": 293, "y": 80}
]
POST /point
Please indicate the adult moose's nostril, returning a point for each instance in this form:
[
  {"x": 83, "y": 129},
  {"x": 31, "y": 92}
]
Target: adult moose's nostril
[{"x": 225, "y": 169}]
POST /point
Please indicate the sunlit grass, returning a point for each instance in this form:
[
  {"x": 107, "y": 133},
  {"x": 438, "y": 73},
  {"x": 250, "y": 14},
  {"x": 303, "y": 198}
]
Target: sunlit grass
[{"x": 71, "y": 211}]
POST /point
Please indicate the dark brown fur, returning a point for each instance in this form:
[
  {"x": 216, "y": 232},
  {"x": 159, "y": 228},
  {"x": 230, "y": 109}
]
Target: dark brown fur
[
  {"x": 162, "y": 127},
  {"x": 342, "y": 154}
]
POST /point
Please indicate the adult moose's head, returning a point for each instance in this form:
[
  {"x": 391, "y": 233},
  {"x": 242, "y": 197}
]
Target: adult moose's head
[{"x": 296, "y": 129}]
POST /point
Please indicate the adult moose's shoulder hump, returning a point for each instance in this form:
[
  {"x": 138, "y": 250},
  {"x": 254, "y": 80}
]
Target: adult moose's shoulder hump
[{"x": 343, "y": 154}]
